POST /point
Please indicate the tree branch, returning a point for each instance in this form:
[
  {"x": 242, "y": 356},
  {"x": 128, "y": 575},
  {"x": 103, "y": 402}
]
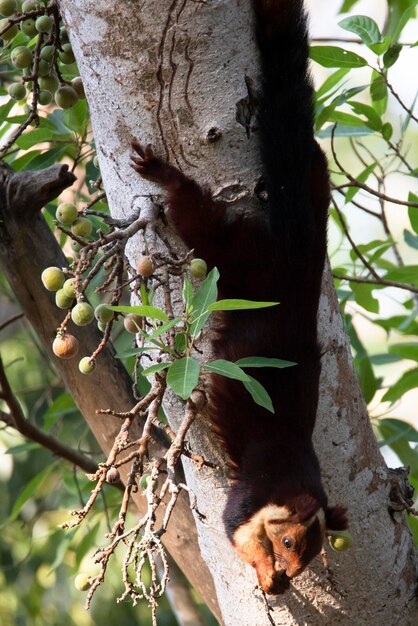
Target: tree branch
[
  {"x": 379, "y": 281},
  {"x": 17, "y": 420}
]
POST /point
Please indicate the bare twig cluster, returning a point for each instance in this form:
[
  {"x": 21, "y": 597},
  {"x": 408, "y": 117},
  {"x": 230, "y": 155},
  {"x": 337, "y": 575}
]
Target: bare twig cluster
[{"x": 156, "y": 476}]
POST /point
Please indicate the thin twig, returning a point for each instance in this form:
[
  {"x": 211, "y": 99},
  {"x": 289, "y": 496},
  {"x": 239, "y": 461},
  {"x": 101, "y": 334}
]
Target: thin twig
[
  {"x": 381, "y": 281},
  {"x": 17, "y": 420}
]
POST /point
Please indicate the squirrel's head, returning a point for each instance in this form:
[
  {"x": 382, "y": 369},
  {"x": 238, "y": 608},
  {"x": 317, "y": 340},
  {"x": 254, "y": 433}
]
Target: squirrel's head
[{"x": 280, "y": 541}]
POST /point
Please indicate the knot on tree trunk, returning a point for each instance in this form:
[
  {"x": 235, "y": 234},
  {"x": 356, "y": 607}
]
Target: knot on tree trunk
[{"x": 25, "y": 193}]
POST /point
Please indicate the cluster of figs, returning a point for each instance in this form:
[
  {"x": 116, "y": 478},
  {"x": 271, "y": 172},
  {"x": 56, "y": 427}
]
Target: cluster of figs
[
  {"x": 41, "y": 73},
  {"x": 67, "y": 296}
]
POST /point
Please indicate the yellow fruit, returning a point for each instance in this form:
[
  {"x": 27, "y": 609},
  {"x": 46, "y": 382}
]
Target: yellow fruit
[
  {"x": 145, "y": 266},
  {"x": 112, "y": 475},
  {"x": 53, "y": 278},
  {"x": 21, "y": 57},
  {"x": 198, "y": 268},
  {"x": 66, "y": 97},
  {"x": 66, "y": 213},
  {"x": 340, "y": 540},
  {"x": 44, "y": 24},
  {"x": 17, "y": 91},
  {"x": 10, "y": 32},
  {"x": 65, "y": 346},
  {"x": 28, "y": 27},
  {"x": 145, "y": 481},
  {"x": 82, "y": 314},
  {"x": 62, "y": 300},
  {"x": 49, "y": 83},
  {"x": 68, "y": 287},
  {"x": 82, "y": 227},
  {"x": 87, "y": 365},
  {"x": 45, "y": 97},
  {"x": 82, "y": 582},
  {"x": 103, "y": 314},
  {"x": 8, "y": 7},
  {"x": 66, "y": 55},
  {"x": 77, "y": 84},
  {"x": 132, "y": 322}
]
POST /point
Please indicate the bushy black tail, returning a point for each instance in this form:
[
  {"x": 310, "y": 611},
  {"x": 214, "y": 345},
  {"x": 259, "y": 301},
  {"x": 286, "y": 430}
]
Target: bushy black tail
[{"x": 286, "y": 120}]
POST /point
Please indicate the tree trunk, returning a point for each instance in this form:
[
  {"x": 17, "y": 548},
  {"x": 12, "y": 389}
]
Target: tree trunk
[{"x": 179, "y": 73}]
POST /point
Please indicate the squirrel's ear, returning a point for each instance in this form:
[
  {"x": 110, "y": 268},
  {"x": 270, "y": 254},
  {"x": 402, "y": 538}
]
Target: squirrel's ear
[
  {"x": 336, "y": 518},
  {"x": 305, "y": 506}
]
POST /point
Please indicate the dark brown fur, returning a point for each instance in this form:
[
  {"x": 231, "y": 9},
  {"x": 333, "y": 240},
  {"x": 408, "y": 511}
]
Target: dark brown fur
[{"x": 277, "y": 256}]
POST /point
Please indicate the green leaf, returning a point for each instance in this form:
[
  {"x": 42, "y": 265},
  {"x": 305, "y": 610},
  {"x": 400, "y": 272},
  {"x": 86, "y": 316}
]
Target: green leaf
[
  {"x": 364, "y": 297},
  {"x": 331, "y": 82},
  {"x": 362, "y": 178},
  {"x": 142, "y": 309},
  {"x": 364, "y": 27},
  {"x": 202, "y": 299},
  {"x": 262, "y": 361},
  {"x": 346, "y": 119},
  {"x": 86, "y": 544},
  {"x": 21, "y": 162},
  {"x": 384, "y": 359},
  {"x": 227, "y": 369},
  {"x": 187, "y": 292},
  {"x": 345, "y": 131},
  {"x": 258, "y": 393},
  {"x": 23, "y": 447},
  {"x": 408, "y": 117},
  {"x": 183, "y": 376},
  {"x": 76, "y": 118},
  {"x": 366, "y": 248},
  {"x": 366, "y": 377},
  {"x": 397, "y": 429},
  {"x": 397, "y": 434},
  {"x": 405, "y": 350},
  {"x": 62, "y": 405},
  {"x": 144, "y": 295},
  {"x": 408, "y": 381},
  {"x": 180, "y": 341},
  {"x": 400, "y": 12},
  {"x": 413, "y": 212},
  {"x": 47, "y": 158},
  {"x": 29, "y": 491},
  {"x": 387, "y": 131},
  {"x": 333, "y": 56},
  {"x": 347, "y": 5},
  {"x": 373, "y": 119},
  {"x": 391, "y": 55},
  {"x": 239, "y": 305},
  {"x": 362, "y": 363},
  {"x": 39, "y": 135},
  {"x": 133, "y": 352},
  {"x": 158, "y": 367},
  {"x": 410, "y": 239},
  {"x": 164, "y": 327},
  {"x": 381, "y": 47},
  {"x": 378, "y": 93},
  {"x": 5, "y": 110},
  {"x": 61, "y": 549},
  {"x": 405, "y": 324},
  {"x": 405, "y": 274}
]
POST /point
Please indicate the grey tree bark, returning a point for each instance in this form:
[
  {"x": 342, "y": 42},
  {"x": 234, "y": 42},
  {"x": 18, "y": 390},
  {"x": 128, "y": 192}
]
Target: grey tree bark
[{"x": 177, "y": 73}]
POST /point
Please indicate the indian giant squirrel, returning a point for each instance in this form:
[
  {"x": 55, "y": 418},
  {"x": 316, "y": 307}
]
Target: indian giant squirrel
[{"x": 277, "y": 511}]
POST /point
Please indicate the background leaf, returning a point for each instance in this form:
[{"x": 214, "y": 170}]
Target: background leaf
[{"x": 333, "y": 56}]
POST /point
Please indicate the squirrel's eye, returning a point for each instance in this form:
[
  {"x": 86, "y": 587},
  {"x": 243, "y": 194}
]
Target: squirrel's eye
[{"x": 287, "y": 543}]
